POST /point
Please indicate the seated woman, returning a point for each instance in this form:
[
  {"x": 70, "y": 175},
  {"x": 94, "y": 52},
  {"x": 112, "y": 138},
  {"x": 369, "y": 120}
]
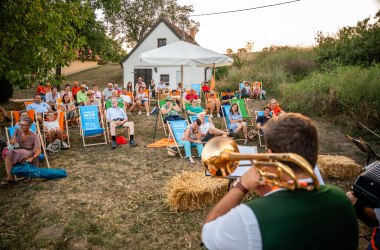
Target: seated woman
[
  {"x": 192, "y": 137},
  {"x": 255, "y": 91},
  {"x": 51, "y": 126},
  {"x": 237, "y": 123},
  {"x": 275, "y": 108},
  {"x": 212, "y": 103},
  {"x": 141, "y": 99},
  {"x": 208, "y": 130},
  {"x": 28, "y": 150},
  {"x": 69, "y": 108},
  {"x": 128, "y": 102},
  {"x": 194, "y": 108}
]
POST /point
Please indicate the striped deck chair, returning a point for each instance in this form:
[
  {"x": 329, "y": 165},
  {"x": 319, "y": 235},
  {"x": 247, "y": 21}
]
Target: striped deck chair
[
  {"x": 9, "y": 131},
  {"x": 91, "y": 125},
  {"x": 177, "y": 131},
  {"x": 244, "y": 110}
]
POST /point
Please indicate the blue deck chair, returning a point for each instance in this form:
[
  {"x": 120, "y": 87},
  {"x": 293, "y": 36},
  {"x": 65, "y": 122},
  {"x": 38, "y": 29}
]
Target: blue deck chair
[
  {"x": 90, "y": 126},
  {"x": 197, "y": 88},
  {"x": 226, "y": 116},
  {"x": 177, "y": 131},
  {"x": 259, "y": 134},
  {"x": 194, "y": 117},
  {"x": 9, "y": 131}
]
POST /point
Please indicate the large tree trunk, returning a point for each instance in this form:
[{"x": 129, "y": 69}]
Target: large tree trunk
[{"x": 58, "y": 74}]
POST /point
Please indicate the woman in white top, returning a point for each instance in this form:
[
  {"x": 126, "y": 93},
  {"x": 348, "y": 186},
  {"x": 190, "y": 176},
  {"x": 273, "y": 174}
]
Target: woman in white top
[
  {"x": 69, "y": 108},
  {"x": 51, "y": 126},
  {"x": 141, "y": 99},
  {"x": 67, "y": 91}
]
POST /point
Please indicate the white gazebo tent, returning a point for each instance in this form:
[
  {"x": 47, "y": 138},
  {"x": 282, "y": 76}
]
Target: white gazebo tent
[{"x": 184, "y": 54}]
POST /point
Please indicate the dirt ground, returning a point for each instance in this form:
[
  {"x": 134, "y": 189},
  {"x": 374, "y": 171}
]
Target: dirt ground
[{"x": 115, "y": 199}]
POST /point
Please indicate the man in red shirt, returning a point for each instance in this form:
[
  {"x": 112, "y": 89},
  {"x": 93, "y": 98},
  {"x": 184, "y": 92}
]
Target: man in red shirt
[
  {"x": 191, "y": 95},
  {"x": 41, "y": 89},
  {"x": 75, "y": 90}
]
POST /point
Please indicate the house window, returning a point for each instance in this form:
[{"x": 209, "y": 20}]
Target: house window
[
  {"x": 161, "y": 42},
  {"x": 165, "y": 79},
  {"x": 146, "y": 75}
]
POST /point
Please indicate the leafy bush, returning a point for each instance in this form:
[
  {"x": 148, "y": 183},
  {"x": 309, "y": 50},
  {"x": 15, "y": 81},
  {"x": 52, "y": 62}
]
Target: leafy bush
[{"x": 347, "y": 95}]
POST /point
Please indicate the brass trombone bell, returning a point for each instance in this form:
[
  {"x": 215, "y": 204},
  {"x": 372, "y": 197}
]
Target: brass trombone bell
[{"x": 221, "y": 157}]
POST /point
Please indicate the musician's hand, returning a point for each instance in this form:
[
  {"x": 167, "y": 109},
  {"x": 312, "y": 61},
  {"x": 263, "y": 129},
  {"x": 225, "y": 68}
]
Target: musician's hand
[
  {"x": 251, "y": 179},
  {"x": 351, "y": 197}
]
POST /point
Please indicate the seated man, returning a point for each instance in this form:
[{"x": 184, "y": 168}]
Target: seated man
[
  {"x": 170, "y": 111},
  {"x": 263, "y": 119},
  {"x": 107, "y": 92},
  {"x": 213, "y": 103},
  {"x": 41, "y": 89},
  {"x": 91, "y": 100},
  {"x": 39, "y": 106},
  {"x": 75, "y": 90},
  {"x": 82, "y": 95},
  {"x": 191, "y": 95},
  {"x": 51, "y": 126},
  {"x": 283, "y": 219},
  {"x": 206, "y": 87},
  {"x": 117, "y": 117},
  {"x": 226, "y": 99},
  {"x": 51, "y": 98},
  {"x": 208, "y": 130}
]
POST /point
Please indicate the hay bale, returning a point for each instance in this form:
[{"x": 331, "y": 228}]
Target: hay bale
[
  {"x": 340, "y": 167},
  {"x": 194, "y": 191}
]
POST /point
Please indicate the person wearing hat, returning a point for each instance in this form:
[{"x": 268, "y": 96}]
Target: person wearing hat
[
  {"x": 170, "y": 110},
  {"x": 91, "y": 100},
  {"x": 226, "y": 99}
]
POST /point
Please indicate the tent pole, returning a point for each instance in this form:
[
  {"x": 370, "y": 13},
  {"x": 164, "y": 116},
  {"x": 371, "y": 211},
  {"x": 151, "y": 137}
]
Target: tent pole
[
  {"x": 182, "y": 75},
  {"x": 213, "y": 66}
]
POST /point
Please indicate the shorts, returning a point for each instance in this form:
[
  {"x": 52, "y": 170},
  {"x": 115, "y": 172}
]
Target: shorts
[{"x": 143, "y": 101}]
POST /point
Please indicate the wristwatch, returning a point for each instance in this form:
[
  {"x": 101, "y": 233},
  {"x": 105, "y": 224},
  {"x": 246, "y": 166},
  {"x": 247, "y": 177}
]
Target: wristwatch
[{"x": 240, "y": 186}]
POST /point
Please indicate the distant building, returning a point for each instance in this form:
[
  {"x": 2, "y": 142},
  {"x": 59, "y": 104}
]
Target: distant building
[{"x": 162, "y": 33}]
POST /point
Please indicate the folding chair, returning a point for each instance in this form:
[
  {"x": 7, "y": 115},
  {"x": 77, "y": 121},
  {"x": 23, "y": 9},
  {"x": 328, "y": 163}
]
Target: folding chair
[
  {"x": 226, "y": 116},
  {"x": 108, "y": 104},
  {"x": 177, "y": 131},
  {"x": 108, "y": 130},
  {"x": 27, "y": 103},
  {"x": 365, "y": 148},
  {"x": 244, "y": 110},
  {"x": 9, "y": 131},
  {"x": 15, "y": 116},
  {"x": 90, "y": 126},
  {"x": 197, "y": 87},
  {"x": 192, "y": 118},
  {"x": 63, "y": 125},
  {"x": 207, "y": 96},
  {"x": 259, "y": 134}
]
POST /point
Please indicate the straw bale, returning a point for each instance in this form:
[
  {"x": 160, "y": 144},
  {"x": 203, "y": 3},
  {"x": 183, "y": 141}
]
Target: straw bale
[
  {"x": 340, "y": 167},
  {"x": 194, "y": 191}
]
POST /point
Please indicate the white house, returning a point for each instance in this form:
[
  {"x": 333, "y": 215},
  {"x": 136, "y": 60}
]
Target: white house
[{"x": 162, "y": 33}]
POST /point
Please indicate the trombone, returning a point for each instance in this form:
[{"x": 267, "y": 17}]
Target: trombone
[{"x": 221, "y": 157}]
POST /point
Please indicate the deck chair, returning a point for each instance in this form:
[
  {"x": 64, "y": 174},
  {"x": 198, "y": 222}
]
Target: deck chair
[
  {"x": 62, "y": 121},
  {"x": 108, "y": 130},
  {"x": 207, "y": 95},
  {"x": 365, "y": 148},
  {"x": 176, "y": 131},
  {"x": 108, "y": 104},
  {"x": 9, "y": 131},
  {"x": 261, "y": 136},
  {"x": 15, "y": 116},
  {"x": 161, "y": 103},
  {"x": 194, "y": 117},
  {"x": 244, "y": 110},
  {"x": 27, "y": 103},
  {"x": 226, "y": 118},
  {"x": 90, "y": 126},
  {"x": 197, "y": 87}
]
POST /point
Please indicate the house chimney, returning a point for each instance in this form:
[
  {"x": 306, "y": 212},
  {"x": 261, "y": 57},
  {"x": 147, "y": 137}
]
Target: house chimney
[{"x": 193, "y": 31}]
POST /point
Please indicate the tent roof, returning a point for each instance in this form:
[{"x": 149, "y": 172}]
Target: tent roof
[{"x": 186, "y": 54}]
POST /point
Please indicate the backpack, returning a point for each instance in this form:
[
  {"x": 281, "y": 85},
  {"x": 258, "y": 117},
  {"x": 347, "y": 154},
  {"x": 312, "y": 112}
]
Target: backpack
[{"x": 54, "y": 147}]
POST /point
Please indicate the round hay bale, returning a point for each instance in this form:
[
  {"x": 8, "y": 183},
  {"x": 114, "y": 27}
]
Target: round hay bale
[
  {"x": 194, "y": 191},
  {"x": 340, "y": 167}
]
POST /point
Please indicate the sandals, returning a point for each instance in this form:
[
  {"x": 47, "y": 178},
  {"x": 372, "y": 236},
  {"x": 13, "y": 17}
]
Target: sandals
[
  {"x": 4, "y": 183},
  {"x": 191, "y": 160}
]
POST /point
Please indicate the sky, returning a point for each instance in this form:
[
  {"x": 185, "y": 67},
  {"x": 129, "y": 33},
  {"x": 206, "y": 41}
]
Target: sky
[{"x": 295, "y": 24}]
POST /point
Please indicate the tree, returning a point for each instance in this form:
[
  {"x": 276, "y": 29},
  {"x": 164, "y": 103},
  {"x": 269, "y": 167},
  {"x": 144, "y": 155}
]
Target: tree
[
  {"x": 134, "y": 18},
  {"x": 37, "y": 36}
]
